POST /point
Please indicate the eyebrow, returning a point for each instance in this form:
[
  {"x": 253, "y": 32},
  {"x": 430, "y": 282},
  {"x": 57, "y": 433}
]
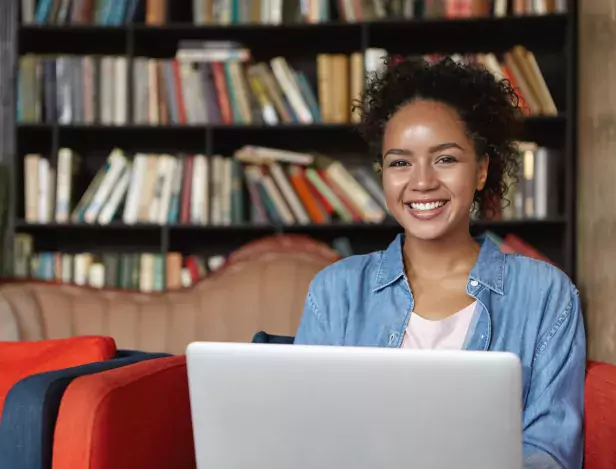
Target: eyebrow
[{"x": 433, "y": 149}]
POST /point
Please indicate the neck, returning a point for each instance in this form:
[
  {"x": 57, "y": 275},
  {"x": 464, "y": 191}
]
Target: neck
[{"x": 439, "y": 258}]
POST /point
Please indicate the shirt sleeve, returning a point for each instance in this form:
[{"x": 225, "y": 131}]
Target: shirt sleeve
[
  {"x": 553, "y": 416},
  {"x": 313, "y": 329}
]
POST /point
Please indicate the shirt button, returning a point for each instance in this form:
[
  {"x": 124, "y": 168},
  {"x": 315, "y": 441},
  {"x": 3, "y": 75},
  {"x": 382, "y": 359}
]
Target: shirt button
[{"x": 474, "y": 283}]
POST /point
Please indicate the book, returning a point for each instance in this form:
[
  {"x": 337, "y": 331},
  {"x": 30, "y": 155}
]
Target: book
[
  {"x": 147, "y": 272},
  {"x": 255, "y": 185}
]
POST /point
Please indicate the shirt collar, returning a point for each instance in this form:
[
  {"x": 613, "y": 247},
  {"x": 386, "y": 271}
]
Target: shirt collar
[{"x": 488, "y": 270}]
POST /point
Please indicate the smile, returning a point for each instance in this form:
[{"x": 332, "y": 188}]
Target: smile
[
  {"x": 427, "y": 210},
  {"x": 427, "y": 206}
]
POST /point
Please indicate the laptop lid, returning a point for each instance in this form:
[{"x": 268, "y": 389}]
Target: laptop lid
[{"x": 267, "y": 406}]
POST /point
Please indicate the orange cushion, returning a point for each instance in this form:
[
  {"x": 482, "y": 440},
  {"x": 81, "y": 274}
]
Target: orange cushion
[
  {"x": 126, "y": 418},
  {"x": 21, "y": 359}
]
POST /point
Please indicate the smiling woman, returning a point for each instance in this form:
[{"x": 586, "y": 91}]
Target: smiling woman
[
  {"x": 483, "y": 113},
  {"x": 443, "y": 134}
]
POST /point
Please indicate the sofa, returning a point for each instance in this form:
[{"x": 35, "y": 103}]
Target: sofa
[
  {"x": 262, "y": 286},
  {"x": 129, "y": 411},
  {"x": 34, "y": 406},
  {"x": 78, "y": 411},
  {"x": 137, "y": 414}
]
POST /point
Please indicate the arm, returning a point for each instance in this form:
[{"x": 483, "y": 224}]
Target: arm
[
  {"x": 312, "y": 329},
  {"x": 553, "y": 416},
  {"x": 325, "y": 309}
]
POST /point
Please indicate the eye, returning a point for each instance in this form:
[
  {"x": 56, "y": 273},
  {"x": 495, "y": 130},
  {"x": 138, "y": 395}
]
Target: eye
[
  {"x": 446, "y": 159},
  {"x": 399, "y": 163}
]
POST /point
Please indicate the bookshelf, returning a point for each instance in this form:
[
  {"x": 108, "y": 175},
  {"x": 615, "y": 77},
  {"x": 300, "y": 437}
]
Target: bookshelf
[{"x": 552, "y": 38}]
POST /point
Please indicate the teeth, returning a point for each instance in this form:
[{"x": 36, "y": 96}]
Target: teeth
[{"x": 428, "y": 206}]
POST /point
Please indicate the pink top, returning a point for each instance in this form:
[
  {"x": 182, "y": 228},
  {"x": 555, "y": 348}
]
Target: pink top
[{"x": 449, "y": 333}]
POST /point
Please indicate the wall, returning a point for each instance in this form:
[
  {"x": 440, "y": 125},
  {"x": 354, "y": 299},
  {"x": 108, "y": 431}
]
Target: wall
[{"x": 596, "y": 185}]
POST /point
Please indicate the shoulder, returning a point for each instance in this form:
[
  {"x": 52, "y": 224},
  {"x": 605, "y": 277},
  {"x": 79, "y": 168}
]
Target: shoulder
[
  {"x": 338, "y": 284},
  {"x": 353, "y": 264},
  {"x": 549, "y": 304},
  {"x": 544, "y": 292},
  {"x": 356, "y": 269},
  {"x": 331, "y": 296},
  {"x": 536, "y": 275},
  {"x": 366, "y": 270}
]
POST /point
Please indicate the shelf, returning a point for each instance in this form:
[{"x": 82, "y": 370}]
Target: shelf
[
  {"x": 264, "y": 41},
  {"x": 330, "y": 138},
  {"x": 24, "y": 226},
  {"x": 161, "y": 41},
  {"x": 218, "y": 138},
  {"x": 545, "y": 130},
  {"x": 531, "y": 121},
  {"x": 73, "y": 237},
  {"x": 74, "y": 39},
  {"x": 118, "y": 237},
  {"x": 545, "y": 32},
  {"x": 186, "y": 28},
  {"x": 505, "y": 21},
  {"x": 510, "y": 21},
  {"x": 398, "y": 35},
  {"x": 39, "y": 127}
]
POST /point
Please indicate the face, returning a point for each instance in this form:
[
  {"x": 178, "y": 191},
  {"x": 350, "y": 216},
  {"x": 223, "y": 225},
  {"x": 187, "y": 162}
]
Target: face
[{"x": 430, "y": 170}]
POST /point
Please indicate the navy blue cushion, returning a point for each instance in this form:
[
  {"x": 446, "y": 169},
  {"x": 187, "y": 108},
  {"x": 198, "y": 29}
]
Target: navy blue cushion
[
  {"x": 31, "y": 410},
  {"x": 265, "y": 338}
]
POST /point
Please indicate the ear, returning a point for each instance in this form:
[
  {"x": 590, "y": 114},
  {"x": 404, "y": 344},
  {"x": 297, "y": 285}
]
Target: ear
[
  {"x": 482, "y": 171},
  {"x": 377, "y": 167}
]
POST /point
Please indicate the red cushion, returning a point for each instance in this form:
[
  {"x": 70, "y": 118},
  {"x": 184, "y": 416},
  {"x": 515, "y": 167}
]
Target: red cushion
[
  {"x": 21, "y": 359},
  {"x": 600, "y": 416},
  {"x": 127, "y": 418}
]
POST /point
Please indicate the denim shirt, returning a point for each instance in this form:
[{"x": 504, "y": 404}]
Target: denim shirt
[{"x": 524, "y": 306}]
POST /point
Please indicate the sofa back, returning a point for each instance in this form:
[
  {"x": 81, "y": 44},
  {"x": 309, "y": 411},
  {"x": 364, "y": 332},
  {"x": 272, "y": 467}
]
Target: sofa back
[{"x": 262, "y": 287}]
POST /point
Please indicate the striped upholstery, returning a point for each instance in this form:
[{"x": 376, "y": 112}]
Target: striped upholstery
[
  {"x": 9, "y": 330},
  {"x": 262, "y": 290}
]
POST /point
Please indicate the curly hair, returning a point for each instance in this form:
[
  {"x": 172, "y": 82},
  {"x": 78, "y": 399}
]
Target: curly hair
[{"x": 488, "y": 107}]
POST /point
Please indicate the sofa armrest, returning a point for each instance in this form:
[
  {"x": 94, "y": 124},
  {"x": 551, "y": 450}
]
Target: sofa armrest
[
  {"x": 136, "y": 416},
  {"x": 600, "y": 416},
  {"x": 31, "y": 409}
]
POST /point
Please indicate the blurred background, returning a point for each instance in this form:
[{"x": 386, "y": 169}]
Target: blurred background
[{"x": 148, "y": 146}]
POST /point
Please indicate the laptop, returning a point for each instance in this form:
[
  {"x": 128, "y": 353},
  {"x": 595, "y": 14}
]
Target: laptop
[{"x": 272, "y": 406}]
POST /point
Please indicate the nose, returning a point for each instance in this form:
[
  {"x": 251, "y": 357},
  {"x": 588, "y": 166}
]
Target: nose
[{"x": 424, "y": 178}]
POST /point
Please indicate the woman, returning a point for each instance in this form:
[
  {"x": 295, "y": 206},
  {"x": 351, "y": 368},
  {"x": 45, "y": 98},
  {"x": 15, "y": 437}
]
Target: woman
[{"x": 444, "y": 134}]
